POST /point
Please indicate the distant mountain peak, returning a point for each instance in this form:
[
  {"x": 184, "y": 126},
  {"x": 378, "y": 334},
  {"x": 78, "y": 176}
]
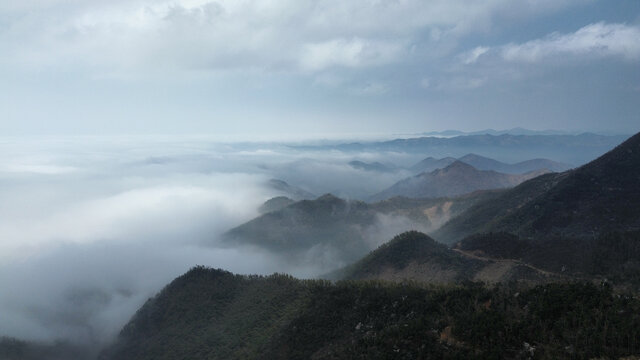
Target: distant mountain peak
[
  {"x": 460, "y": 165},
  {"x": 456, "y": 179},
  {"x": 473, "y": 156},
  {"x": 329, "y": 197}
]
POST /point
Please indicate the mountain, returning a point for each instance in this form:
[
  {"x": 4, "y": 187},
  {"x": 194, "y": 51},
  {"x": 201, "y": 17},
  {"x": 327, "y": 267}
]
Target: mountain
[
  {"x": 599, "y": 197},
  {"x": 327, "y": 221},
  {"x": 456, "y": 179},
  {"x": 571, "y": 149},
  {"x": 275, "y": 204},
  {"x": 347, "y": 229},
  {"x": 213, "y": 314},
  {"x": 484, "y": 163},
  {"x": 210, "y": 314},
  {"x": 410, "y": 256},
  {"x": 513, "y": 131},
  {"x": 430, "y": 164},
  {"x": 289, "y": 191},
  {"x": 414, "y": 256},
  {"x": 613, "y": 256},
  {"x": 13, "y": 349},
  {"x": 373, "y": 167}
]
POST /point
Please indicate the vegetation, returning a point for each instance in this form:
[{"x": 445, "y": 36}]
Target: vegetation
[
  {"x": 615, "y": 256},
  {"x": 13, "y": 349},
  {"x": 213, "y": 314},
  {"x": 409, "y": 248}
]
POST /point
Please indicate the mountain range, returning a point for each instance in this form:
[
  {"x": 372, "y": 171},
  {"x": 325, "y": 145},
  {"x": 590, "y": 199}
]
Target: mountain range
[
  {"x": 561, "y": 251},
  {"x": 347, "y": 229},
  {"x": 596, "y": 198},
  {"x": 213, "y": 314},
  {"x": 456, "y": 179},
  {"x": 414, "y": 256},
  {"x": 483, "y": 163},
  {"x": 571, "y": 149}
]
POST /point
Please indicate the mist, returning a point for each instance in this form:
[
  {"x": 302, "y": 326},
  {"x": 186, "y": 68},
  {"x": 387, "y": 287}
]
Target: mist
[{"x": 91, "y": 227}]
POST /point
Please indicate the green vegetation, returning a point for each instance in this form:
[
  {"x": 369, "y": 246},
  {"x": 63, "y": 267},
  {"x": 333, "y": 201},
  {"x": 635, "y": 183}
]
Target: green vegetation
[
  {"x": 408, "y": 248},
  {"x": 615, "y": 256},
  {"x": 212, "y": 314},
  {"x": 13, "y": 349}
]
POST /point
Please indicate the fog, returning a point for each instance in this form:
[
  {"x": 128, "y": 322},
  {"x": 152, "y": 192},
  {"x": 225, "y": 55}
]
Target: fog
[{"x": 91, "y": 227}]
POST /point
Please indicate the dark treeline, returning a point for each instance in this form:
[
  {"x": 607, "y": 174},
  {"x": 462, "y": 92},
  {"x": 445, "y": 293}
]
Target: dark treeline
[{"x": 214, "y": 314}]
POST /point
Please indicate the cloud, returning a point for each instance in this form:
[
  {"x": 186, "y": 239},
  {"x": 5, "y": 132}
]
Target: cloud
[
  {"x": 348, "y": 53},
  {"x": 594, "y": 41},
  {"x": 473, "y": 55},
  {"x": 371, "y": 89},
  {"x": 81, "y": 250},
  {"x": 285, "y": 35}
]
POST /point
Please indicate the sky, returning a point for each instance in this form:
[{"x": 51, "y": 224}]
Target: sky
[{"x": 242, "y": 67}]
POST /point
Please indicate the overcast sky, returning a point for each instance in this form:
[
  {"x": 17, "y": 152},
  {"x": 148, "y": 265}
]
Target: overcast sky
[{"x": 317, "y": 66}]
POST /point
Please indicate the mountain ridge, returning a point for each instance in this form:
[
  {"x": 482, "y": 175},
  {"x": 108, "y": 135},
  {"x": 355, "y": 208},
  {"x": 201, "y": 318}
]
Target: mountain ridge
[
  {"x": 595, "y": 198},
  {"x": 456, "y": 179}
]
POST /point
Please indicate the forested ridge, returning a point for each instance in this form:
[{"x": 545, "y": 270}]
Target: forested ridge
[{"x": 213, "y": 314}]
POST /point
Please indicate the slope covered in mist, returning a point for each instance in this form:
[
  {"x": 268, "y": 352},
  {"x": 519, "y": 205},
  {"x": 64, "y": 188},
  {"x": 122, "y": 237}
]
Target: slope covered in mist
[
  {"x": 344, "y": 230},
  {"x": 484, "y": 163},
  {"x": 456, "y": 179}
]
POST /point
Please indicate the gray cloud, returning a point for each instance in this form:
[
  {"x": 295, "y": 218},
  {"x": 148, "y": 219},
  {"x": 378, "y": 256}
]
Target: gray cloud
[{"x": 287, "y": 35}]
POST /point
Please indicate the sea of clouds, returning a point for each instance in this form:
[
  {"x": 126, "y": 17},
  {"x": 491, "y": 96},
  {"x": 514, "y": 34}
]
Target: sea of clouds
[{"x": 91, "y": 227}]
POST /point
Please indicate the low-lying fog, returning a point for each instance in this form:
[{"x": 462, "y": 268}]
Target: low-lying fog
[{"x": 92, "y": 227}]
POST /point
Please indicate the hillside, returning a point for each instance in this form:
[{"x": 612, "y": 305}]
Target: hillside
[
  {"x": 430, "y": 164},
  {"x": 13, "y": 349},
  {"x": 456, "y": 179},
  {"x": 414, "y": 256},
  {"x": 275, "y": 204},
  {"x": 345, "y": 228},
  {"x": 599, "y": 197},
  {"x": 214, "y": 314},
  {"x": 373, "y": 167},
  {"x": 290, "y": 191},
  {"x": 411, "y": 256},
  {"x": 484, "y": 163},
  {"x": 614, "y": 256},
  {"x": 328, "y": 221}
]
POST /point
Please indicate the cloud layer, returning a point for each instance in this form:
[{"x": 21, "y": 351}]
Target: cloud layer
[
  {"x": 287, "y": 35},
  {"x": 92, "y": 227}
]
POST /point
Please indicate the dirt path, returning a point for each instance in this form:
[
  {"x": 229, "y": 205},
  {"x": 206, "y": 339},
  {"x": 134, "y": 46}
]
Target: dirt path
[{"x": 507, "y": 261}]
